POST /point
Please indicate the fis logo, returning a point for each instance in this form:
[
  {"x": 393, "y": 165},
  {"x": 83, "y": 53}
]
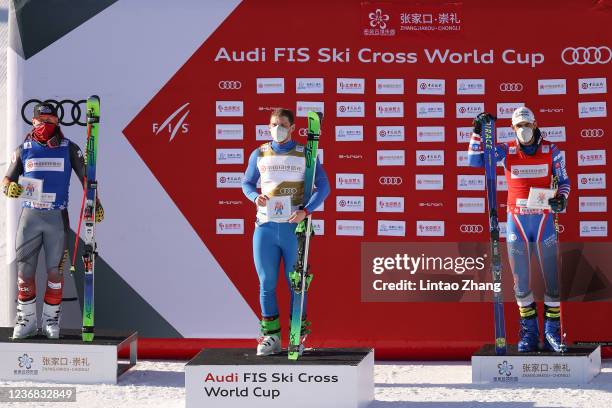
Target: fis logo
[{"x": 173, "y": 127}]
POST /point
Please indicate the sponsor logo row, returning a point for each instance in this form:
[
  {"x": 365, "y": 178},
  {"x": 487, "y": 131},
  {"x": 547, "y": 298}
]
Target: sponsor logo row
[
  {"x": 356, "y": 133},
  {"x": 424, "y": 86},
  {"x": 465, "y": 182},
  {"x": 397, "y": 228},
  {"x": 464, "y": 205},
  {"x": 424, "y": 110},
  {"x": 385, "y": 158}
]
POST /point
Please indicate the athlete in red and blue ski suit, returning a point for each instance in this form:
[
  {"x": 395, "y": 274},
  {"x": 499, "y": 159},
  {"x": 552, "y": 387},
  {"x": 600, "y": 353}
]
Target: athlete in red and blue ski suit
[{"x": 529, "y": 161}]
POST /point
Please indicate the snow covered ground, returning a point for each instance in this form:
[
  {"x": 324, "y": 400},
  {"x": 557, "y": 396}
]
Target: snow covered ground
[{"x": 154, "y": 384}]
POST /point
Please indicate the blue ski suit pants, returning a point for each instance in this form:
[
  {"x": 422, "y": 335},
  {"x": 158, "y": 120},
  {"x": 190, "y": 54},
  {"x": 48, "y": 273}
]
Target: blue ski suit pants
[
  {"x": 528, "y": 234},
  {"x": 271, "y": 242}
]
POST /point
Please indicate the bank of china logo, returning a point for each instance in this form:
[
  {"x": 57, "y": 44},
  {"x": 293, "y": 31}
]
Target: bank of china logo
[
  {"x": 591, "y": 132},
  {"x": 511, "y": 87},
  {"x": 173, "y": 128},
  {"x": 505, "y": 368},
  {"x": 586, "y": 55},
  {"x": 471, "y": 228},
  {"x": 390, "y": 181},
  {"x": 25, "y": 361},
  {"x": 378, "y": 19},
  {"x": 230, "y": 85}
]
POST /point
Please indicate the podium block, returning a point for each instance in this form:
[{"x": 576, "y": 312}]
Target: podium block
[
  {"x": 224, "y": 378},
  {"x": 67, "y": 359},
  {"x": 576, "y": 366}
]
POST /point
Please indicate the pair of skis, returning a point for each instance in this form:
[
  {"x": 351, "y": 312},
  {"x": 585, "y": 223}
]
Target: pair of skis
[
  {"x": 300, "y": 277},
  {"x": 88, "y": 217},
  {"x": 490, "y": 159}
]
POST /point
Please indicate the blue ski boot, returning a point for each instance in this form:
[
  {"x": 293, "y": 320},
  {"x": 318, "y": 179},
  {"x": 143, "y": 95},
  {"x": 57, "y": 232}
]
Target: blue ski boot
[
  {"x": 552, "y": 329},
  {"x": 529, "y": 335}
]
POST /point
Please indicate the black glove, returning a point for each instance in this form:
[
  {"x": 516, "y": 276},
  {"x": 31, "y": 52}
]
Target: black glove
[
  {"x": 558, "y": 203},
  {"x": 480, "y": 119}
]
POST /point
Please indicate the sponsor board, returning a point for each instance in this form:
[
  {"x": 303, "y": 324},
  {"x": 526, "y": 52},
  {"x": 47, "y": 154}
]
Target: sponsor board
[
  {"x": 593, "y": 228},
  {"x": 309, "y": 85},
  {"x": 349, "y": 181},
  {"x": 430, "y": 133},
  {"x": 470, "y": 205},
  {"x": 430, "y": 86},
  {"x": 349, "y": 228},
  {"x": 470, "y": 86},
  {"x": 462, "y": 158},
  {"x": 593, "y": 204},
  {"x": 552, "y": 87},
  {"x": 390, "y": 133},
  {"x": 504, "y": 110},
  {"x": 270, "y": 85},
  {"x": 592, "y": 86},
  {"x": 470, "y": 182},
  {"x": 430, "y": 157},
  {"x": 350, "y": 85},
  {"x": 389, "y": 86},
  {"x": 390, "y": 157},
  {"x": 464, "y": 134},
  {"x": 349, "y": 203},
  {"x": 350, "y": 109},
  {"x": 389, "y": 109},
  {"x": 591, "y": 157},
  {"x": 390, "y": 204},
  {"x": 429, "y": 182},
  {"x": 349, "y": 133},
  {"x": 262, "y": 132},
  {"x": 229, "y": 180},
  {"x": 430, "y": 228},
  {"x": 426, "y": 110},
  {"x": 465, "y": 110},
  {"x": 229, "y": 132},
  {"x": 230, "y": 156},
  {"x": 229, "y": 108},
  {"x": 592, "y": 110},
  {"x": 554, "y": 134},
  {"x": 591, "y": 181},
  {"x": 230, "y": 226},
  {"x": 388, "y": 228},
  {"x": 303, "y": 107}
]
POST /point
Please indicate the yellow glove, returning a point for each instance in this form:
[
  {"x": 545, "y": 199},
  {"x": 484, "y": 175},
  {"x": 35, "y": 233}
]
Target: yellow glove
[
  {"x": 99, "y": 212},
  {"x": 12, "y": 190}
]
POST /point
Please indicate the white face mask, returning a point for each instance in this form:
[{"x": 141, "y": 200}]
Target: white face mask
[
  {"x": 279, "y": 133},
  {"x": 524, "y": 134}
]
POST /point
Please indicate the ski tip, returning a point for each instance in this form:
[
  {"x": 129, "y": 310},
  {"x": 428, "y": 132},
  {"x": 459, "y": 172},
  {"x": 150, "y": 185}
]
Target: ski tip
[{"x": 293, "y": 356}]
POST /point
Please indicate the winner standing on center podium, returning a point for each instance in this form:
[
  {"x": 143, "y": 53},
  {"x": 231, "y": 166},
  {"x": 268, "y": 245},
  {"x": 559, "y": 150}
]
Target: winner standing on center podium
[{"x": 281, "y": 165}]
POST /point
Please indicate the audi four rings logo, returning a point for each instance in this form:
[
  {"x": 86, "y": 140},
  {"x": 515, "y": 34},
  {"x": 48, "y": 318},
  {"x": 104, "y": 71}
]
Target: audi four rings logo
[
  {"x": 230, "y": 85},
  {"x": 592, "y": 132},
  {"x": 511, "y": 87},
  {"x": 76, "y": 110},
  {"x": 288, "y": 190},
  {"x": 586, "y": 55},
  {"x": 390, "y": 181},
  {"x": 471, "y": 228}
]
